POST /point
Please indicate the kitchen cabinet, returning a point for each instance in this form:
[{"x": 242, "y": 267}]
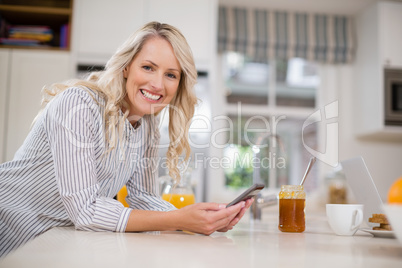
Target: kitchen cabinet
[
  {"x": 4, "y": 63},
  {"x": 390, "y": 21},
  {"x": 99, "y": 31},
  {"x": 193, "y": 18},
  {"x": 100, "y": 26},
  {"x": 28, "y": 71},
  {"x": 380, "y": 42}
]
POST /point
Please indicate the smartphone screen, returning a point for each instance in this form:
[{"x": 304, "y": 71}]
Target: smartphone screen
[{"x": 249, "y": 193}]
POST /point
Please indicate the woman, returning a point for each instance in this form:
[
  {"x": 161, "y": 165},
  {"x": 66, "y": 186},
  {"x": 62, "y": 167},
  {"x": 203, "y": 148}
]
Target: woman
[{"x": 92, "y": 137}]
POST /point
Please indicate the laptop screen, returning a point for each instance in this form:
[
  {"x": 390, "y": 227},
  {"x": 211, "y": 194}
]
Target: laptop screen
[{"x": 362, "y": 185}]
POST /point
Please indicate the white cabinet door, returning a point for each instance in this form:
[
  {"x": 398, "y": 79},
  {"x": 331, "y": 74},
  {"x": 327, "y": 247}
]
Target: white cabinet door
[
  {"x": 100, "y": 26},
  {"x": 30, "y": 71},
  {"x": 390, "y": 33},
  {"x": 195, "y": 19},
  {"x": 4, "y": 73}
]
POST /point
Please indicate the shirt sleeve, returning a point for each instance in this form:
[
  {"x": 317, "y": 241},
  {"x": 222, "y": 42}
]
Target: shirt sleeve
[
  {"x": 74, "y": 127},
  {"x": 142, "y": 188}
]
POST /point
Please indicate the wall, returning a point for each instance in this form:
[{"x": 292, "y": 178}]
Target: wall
[{"x": 383, "y": 158}]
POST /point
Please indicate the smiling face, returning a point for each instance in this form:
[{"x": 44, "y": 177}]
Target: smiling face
[{"x": 152, "y": 78}]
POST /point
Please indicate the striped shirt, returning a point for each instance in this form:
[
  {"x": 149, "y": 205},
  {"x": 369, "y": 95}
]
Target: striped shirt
[{"x": 63, "y": 174}]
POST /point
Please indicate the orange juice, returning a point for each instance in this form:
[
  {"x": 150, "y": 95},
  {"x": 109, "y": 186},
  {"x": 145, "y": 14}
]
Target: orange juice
[{"x": 179, "y": 200}]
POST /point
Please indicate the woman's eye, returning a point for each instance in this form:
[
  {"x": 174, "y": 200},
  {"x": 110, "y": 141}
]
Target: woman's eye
[
  {"x": 173, "y": 76},
  {"x": 147, "y": 68}
]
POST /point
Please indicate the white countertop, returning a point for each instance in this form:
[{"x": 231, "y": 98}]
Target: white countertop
[{"x": 258, "y": 245}]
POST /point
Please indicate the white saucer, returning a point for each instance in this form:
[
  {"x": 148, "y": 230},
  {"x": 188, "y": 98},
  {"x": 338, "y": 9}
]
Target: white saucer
[{"x": 378, "y": 233}]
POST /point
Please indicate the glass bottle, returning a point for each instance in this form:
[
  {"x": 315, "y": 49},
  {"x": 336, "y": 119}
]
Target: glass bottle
[
  {"x": 292, "y": 201},
  {"x": 179, "y": 194},
  {"x": 337, "y": 187}
]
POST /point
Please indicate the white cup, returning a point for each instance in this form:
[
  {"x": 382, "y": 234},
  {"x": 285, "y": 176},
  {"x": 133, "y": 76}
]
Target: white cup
[{"x": 345, "y": 219}]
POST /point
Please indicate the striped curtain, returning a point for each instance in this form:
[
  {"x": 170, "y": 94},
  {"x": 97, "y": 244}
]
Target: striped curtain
[{"x": 264, "y": 34}]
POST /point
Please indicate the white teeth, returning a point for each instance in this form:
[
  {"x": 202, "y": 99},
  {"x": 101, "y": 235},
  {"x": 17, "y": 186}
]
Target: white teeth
[{"x": 150, "y": 96}]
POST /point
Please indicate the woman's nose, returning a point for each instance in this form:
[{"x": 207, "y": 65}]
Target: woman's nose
[{"x": 157, "y": 82}]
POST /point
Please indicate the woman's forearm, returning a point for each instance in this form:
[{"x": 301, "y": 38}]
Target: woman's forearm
[
  {"x": 145, "y": 220},
  {"x": 204, "y": 218}
]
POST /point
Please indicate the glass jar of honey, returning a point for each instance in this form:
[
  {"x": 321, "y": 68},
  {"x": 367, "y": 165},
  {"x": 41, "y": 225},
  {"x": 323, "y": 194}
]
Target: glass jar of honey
[{"x": 292, "y": 200}]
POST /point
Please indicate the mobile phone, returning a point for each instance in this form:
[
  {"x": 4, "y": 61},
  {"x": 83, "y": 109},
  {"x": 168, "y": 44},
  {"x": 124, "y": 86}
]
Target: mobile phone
[{"x": 249, "y": 193}]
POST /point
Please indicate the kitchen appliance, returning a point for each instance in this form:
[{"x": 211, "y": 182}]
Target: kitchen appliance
[{"x": 393, "y": 97}]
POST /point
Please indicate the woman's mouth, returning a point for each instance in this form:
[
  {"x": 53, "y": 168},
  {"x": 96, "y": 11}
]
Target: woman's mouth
[{"x": 150, "y": 96}]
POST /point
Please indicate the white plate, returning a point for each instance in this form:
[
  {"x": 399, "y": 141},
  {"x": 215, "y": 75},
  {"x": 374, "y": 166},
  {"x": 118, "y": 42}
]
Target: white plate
[{"x": 378, "y": 233}]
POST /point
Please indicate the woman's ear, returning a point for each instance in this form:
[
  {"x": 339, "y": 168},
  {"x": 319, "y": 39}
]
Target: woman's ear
[{"x": 125, "y": 72}]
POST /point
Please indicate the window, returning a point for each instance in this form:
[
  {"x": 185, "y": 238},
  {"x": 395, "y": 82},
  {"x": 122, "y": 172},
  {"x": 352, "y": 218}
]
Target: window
[
  {"x": 245, "y": 81},
  {"x": 296, "y": 83},
  {"x": 271, "y": 100},
  {"x": 291, "y": 82}
]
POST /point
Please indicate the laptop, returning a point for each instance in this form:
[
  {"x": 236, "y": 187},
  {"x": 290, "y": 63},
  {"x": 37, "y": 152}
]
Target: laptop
[{"x": 362, "y": 185}]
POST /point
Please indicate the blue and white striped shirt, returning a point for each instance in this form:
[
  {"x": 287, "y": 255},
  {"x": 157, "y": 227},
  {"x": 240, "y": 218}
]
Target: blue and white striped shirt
[{"x": 63, "y": 175}]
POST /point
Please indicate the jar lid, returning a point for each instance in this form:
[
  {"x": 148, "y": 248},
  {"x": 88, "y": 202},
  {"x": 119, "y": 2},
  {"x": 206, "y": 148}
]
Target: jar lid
[{"x": 292, "y": 188}]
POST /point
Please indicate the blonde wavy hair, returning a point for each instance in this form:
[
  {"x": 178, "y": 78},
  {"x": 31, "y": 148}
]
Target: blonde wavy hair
[{"x": 111, "y": 85}]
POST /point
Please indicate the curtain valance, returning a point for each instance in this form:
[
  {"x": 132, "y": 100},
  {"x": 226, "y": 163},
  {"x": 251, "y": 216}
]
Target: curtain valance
[{"x": 265, "y": 34}]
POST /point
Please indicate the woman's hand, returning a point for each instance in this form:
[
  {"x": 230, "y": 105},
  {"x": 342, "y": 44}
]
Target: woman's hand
[
  {"x": 206, "y": 218},
  {"x": 238, "y": 217}
]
